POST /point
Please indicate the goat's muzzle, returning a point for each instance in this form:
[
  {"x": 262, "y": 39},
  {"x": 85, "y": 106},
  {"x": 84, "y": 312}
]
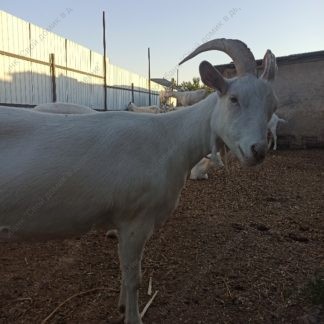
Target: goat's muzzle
[{"x": 259, "y": 151}]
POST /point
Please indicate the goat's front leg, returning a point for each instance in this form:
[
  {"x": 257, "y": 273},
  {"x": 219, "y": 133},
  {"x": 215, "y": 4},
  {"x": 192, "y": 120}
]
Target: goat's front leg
[
  {"x": 215, "y": 156},
  {"x": 274, "y": 142},
  {"x": 269, "y": 143},
  {"x": 131, "y": 244},
  {"x": 270, "y": 135},
  {"x": 219, "y": 150}
]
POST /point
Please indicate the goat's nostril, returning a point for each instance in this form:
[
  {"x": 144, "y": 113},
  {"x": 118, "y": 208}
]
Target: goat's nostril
[
  {"x": 255, "y": 152},
  {"x": 258, "y": 152}
]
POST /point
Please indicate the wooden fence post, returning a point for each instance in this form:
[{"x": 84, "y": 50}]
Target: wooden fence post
[
  {"x": 132, "y": 92},
  {"x": 52, "y": 69}
]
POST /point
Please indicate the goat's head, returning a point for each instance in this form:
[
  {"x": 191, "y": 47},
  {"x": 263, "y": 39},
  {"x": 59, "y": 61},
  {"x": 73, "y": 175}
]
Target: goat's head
[{"x": 246, "y": 102}]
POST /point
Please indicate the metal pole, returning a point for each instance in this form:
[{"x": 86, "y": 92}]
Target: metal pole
[
  {"x": 104, "y": 59},
  {"x": 149, "y": 74},
  {"x": 177, "y": 77},
  {"x": 132, "y": 92}
]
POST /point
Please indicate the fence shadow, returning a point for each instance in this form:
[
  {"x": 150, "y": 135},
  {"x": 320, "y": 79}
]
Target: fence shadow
[{"x": 29, "y": 88}]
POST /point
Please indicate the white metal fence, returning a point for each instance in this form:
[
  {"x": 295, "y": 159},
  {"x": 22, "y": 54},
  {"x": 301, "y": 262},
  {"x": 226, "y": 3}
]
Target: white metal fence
[{"x": 38, "y": 66}]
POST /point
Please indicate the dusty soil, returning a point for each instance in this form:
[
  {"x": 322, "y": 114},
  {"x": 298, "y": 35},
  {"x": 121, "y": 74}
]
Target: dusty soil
[{"x": 240, "y": 248}]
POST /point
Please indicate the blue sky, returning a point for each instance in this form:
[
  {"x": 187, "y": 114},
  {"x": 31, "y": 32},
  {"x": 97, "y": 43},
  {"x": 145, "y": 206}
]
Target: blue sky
[{"x": 173, "y": 28}]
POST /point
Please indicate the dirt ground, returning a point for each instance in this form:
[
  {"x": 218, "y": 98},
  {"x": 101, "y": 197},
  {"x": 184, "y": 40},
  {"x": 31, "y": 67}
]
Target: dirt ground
[{"x": 241, "y": 247}]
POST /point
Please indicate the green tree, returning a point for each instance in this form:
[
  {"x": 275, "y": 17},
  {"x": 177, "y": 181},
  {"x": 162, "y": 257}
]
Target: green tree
[{"x": 193, "y": 85}]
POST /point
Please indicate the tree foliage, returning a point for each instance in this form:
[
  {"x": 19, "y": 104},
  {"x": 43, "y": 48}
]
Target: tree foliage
[
  {"x": 188, "y": 85},
  {"x": 193, "y": 85}
]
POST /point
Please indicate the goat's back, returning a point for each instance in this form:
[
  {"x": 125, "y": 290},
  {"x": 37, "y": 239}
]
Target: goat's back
[{"x": 61, "y": 174}]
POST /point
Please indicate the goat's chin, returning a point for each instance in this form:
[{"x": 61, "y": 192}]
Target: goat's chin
[
  {"x": 251, "y": 162},
  {"x": 247, "y": 160}
]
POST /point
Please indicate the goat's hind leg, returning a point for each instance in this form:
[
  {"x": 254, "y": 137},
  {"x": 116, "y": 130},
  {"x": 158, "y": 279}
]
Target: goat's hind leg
[{"x": 131, "y": 245}]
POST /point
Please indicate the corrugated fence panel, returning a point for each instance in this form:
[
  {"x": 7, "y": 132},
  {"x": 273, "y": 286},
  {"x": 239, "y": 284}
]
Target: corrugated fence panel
[
  {"x": 27, "y": 79},
  {"x": 118, "y": 99},
  {"x": 41, "y": 77},
  {"x": 58, "y": 48},
  {"x": 119, "y": 77},
  {"x": 15, "y": 81},
  {"x": 78, "y": 58},
  {"x": 97, "y": 90}
]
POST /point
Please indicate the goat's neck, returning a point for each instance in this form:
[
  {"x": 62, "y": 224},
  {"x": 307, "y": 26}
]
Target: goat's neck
[{"x": 192, "y": 131}]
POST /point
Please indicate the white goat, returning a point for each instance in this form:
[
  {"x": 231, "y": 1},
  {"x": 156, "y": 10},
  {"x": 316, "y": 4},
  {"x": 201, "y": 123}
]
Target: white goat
[
  {"x": 145, "y": 109},
  {"x": 64, "y": 108},
  {"x": 272, "y": 128},
  {"x": 199, "y": 171},
  {"x": 187, "y": 98},
  {"x": 61, "y": 175}
]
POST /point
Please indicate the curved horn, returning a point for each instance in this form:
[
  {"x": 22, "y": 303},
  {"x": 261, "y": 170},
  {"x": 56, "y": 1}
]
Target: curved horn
[
  {"x": 241, "y": 55},
  {"x": 270, "y": 66}
]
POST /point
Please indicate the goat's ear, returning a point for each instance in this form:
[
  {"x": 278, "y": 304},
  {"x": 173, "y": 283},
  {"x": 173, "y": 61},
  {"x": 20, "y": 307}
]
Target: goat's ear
[
  {"x": 212, "y": 78},
  {"x": 270, "y": 67}
]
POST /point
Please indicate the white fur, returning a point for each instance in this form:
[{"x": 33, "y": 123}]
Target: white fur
[
  {"x": 272, "y": 127},
  {"x": 145, "y": 109},
  {"x": 64, "y": 108},
  {"x": 187, "y": 98},
  {"x": 199, "y": 171},
  {"x": 61, "y": 175}
]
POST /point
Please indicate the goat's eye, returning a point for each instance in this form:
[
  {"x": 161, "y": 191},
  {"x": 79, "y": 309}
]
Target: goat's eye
[{"x": 233, "y": 99}]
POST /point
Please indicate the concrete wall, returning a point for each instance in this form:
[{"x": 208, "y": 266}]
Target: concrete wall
[{"x": 300, "y": 89}]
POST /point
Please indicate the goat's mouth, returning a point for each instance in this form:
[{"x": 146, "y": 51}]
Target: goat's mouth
[
  {"x": 248, "y": 161},
  {"x": 251, "y": 162}
]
